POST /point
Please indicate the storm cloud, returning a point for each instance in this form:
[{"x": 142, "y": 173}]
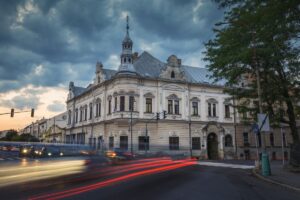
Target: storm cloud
[{"x": 49, "y": 43}]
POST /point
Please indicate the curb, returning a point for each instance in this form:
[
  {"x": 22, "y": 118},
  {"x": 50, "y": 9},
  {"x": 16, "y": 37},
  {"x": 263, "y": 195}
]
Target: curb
[{"x": 274, "y": 182}]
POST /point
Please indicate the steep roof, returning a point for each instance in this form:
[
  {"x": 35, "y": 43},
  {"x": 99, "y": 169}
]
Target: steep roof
[
  {"x": 148, "y": 66},
  {"x": 79, "y": 90}
]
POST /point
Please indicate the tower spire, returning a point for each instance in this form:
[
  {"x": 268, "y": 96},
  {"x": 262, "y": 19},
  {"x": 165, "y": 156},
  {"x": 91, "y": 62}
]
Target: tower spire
[
  {"x": 127, "y": 25},
  {"x": 126, "y": 57}
]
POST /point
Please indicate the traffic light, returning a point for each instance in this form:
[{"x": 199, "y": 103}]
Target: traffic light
[
  {"x": 32, "y": 112},
  {"x": 165, "y": 114},
  {"x": 12, "y": 112},
  {"x": 157, "y": 116}
]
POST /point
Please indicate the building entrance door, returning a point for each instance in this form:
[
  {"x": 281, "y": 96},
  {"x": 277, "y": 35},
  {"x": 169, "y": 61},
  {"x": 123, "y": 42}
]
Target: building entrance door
[{"x": 212, "y": 146}]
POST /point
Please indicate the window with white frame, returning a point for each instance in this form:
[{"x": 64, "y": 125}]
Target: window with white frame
[
  {"x": 81, "y": 114},
  {"x": 212, "y": 108},
  {"x": 173, "y": 104},
  {"x": 85, "y": 112},
  {"x": 227, "y": 110},
  {"x": 98, "y": 108},
  {"x": 116, "y": 104},
  {"x": 122, "y": 103},
  {"x": 131, "y": 103},
  {"x": 91, "y": 111},
  {"x": 195, "y": 108},
  {"x": 76, "y": 115},
  {"x": 109, "y": 106},
  {"x": 170, "y": 106},
  {"x": 148, "y": 105}
]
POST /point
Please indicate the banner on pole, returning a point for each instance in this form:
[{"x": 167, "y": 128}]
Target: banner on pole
[{"x": 263, "y": 122}]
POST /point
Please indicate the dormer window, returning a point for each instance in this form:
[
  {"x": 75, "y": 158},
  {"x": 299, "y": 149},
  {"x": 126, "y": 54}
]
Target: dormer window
[{"x": 172, "y": 74}]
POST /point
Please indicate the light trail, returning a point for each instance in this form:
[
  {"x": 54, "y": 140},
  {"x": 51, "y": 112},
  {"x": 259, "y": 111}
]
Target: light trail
[
  {"x": 79, "y": 190},
  {"x": 126, "y": 169}
]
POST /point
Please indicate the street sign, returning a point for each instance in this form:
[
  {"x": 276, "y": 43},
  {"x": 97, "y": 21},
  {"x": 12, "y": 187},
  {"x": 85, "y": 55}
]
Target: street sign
[{"x": 263, "y": 122}]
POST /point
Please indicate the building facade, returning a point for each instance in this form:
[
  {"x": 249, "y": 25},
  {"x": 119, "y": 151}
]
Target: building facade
[{"x": 119, "y": 110}]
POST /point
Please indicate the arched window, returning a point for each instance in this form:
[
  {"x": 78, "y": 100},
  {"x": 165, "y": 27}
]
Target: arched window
[
  {"x": 228, "y": 141},
  {"x": 172, "y": 74}
]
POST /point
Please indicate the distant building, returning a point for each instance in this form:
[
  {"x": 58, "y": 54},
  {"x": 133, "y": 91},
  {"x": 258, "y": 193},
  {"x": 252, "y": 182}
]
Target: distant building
[{"x": 48, "y": 130}]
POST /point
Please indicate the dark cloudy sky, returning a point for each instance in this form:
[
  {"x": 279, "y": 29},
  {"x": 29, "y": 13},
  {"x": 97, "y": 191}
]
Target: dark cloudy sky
[{"x": 47, "y": 43}]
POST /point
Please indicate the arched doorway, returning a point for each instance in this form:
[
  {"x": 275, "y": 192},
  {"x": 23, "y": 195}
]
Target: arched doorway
[{"x": 212, "y": 146}]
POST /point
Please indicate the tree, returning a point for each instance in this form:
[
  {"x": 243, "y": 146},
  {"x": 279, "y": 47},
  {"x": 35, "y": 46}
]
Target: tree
[
  {"x": 10, "y": 135},
  {"x": 262, "y": 35}
]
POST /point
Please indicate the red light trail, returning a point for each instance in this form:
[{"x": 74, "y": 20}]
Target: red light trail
[{"x": 79, "y": 190}]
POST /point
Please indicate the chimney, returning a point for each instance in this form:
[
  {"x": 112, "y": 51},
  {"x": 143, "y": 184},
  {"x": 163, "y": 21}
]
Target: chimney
[{"x": 135, "y": 56}]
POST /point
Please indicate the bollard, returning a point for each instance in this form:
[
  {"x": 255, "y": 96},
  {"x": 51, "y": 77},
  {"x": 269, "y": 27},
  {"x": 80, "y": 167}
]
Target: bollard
[{"x": 266, "y": 169}]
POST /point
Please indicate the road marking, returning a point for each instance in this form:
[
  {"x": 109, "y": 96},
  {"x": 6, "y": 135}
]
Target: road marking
[{"x": 237, "y": 166}]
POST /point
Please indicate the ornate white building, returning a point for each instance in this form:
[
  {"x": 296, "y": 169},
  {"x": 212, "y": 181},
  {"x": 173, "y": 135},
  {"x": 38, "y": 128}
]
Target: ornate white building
[{"x": 199, "y": 115}]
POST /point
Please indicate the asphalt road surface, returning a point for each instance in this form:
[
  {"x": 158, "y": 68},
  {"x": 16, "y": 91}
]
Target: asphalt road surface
[{"x": 155, "y": 179}]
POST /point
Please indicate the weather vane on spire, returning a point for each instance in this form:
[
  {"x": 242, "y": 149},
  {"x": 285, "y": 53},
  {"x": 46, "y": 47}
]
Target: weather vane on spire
[{"x": 127, "y": 26}]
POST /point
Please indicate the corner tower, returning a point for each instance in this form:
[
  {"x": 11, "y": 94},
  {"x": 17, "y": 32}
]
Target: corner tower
[{"x": 126, "y": 57}]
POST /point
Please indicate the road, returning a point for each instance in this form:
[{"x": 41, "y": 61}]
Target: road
[{"x": 153, "y": 179}]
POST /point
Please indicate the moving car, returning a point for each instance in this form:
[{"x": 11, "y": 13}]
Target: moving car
[{"x": 119, "y": 154}]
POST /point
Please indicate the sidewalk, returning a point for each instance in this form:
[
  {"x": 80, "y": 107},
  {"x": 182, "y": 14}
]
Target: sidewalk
[{"x": 281, "y": 176}]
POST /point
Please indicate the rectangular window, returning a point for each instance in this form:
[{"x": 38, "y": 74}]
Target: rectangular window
[
  {"x": 227, "y": 111},
  {"x": 195, "y": 108},
  {"x": 122, "y": 103},
  {"x": 174, "y": 143},
  {"x": 99, "y": 109},
  {"x": 124, "y": 142},
  {"x": 111, "y": 142},
  {"x": 170, "y": 106},
  {"x": 85, "y": 113},
  {"x": 176, "y": 107},
  {"x": 116, "y": 104},
  {"x": 196, "y": 145},
  {"x": 148, "y": 105},
  {"x": 143, "y": 143},
  {"x": 214, "y": 110},
  {"x": 76, "y": 115},
  {"x": 109, "y": 106},
  {"x": 91, "y": 111},
  {"x": 131, "y": 103},
  {"x": 209, "y": 109},
  {"x": 81, "y": 114},
  {"x": 246, "y": 139}
]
